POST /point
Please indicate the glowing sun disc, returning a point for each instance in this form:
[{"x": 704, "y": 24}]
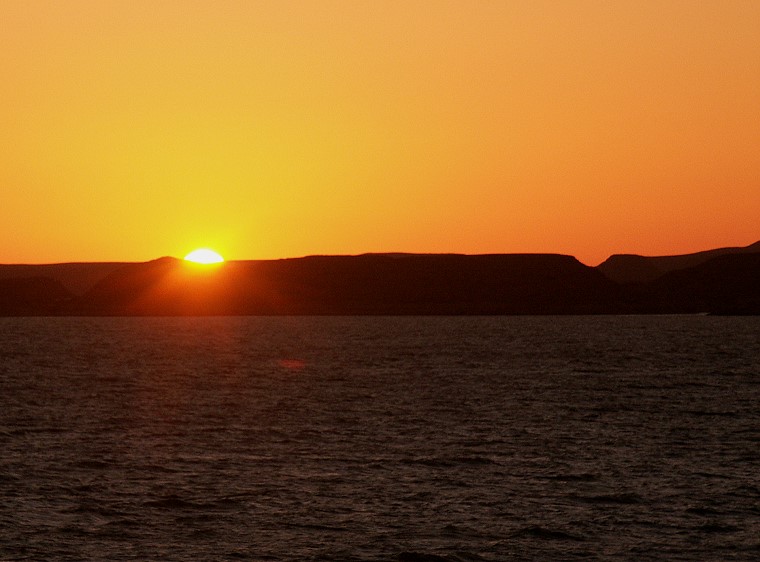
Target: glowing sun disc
[{"x": 204, "y": 255}]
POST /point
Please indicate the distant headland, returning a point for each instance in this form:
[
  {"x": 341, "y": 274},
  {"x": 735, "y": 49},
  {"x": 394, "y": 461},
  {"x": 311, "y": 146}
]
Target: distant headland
[{"x": 719, "y": 281}]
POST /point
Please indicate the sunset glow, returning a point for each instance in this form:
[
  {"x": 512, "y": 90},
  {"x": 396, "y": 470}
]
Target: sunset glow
[
  {"x": 283, "y": 128},
  {"x": 204, "y": 256}
]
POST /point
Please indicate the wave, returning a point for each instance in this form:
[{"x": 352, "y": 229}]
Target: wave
[
  {"x": 174, "y": 502},
  {"x": 617, "y": 499},
  {"x": 537, "y": 532},
  {"x": 422, "y": 557},
  {"x": 448, "y": 462}
]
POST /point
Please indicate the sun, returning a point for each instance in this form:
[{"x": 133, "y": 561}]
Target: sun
[{"x": 204, "y": 255}]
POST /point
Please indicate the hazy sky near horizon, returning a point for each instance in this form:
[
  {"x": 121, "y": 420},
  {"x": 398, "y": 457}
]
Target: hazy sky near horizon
[{"x": 135, "y": 129}]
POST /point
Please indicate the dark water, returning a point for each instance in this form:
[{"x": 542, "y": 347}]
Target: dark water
[{"x": 589, "y": 438}]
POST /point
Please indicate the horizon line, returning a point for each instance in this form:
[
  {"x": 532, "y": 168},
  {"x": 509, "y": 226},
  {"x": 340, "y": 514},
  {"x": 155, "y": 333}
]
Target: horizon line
[{"x": 390, "y": 253}]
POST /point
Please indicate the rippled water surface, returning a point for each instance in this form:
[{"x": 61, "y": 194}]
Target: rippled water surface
[{"x": 503, "y": 438}]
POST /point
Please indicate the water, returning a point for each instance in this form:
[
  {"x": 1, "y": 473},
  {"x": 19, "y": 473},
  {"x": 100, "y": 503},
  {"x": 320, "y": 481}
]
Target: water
[{"x": 374, "y": 439}]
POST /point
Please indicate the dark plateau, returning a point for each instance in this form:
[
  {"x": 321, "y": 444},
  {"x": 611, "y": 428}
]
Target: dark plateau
[{"x": 723, "y": 281}]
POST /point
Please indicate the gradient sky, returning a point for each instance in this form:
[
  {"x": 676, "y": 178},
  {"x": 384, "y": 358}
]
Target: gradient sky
[{"x": 264, "y": 129}]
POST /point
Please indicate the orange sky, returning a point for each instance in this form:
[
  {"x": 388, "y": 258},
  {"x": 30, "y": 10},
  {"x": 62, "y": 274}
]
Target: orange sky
[{"x": 135, "y": 129}]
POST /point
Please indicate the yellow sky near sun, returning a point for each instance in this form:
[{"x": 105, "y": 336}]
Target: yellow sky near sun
[{"x": 265, "y": 129}]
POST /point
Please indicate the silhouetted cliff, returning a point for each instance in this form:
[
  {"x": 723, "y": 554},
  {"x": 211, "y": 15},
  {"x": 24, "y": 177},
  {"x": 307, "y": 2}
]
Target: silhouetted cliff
[
  {"x": 631, "y": 268},
  {"x": 377, "y": 284},
  {"x": 368, "y": 284},
  {"x": 727, "y": 284},
  {"x": 78, "y": 278},
  {"x": 33, "y": 296}
]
